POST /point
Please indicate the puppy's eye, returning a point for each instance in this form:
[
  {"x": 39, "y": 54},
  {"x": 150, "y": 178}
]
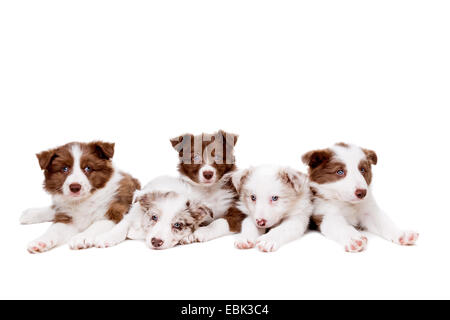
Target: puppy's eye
[
  {"x": 275, "y": 198},
  {"x": 154, "y": 217},
  {"x": 362, "y": 170},
  {"x": 253, "y": 197},
  {"x": 340, "y": 172},
  {"x": 87, "y": 169},
  {"x": 65, "y": 169},
  {"x": 197, "y": 158},
  {"x": 178, "y": 225}
]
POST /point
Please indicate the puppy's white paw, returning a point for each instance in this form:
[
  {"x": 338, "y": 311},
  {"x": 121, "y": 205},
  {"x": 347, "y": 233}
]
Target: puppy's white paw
[
  {"x": 188, "y": 240},
  {"x": 407, "y": 238},
  {"x": 105, "y": 241},
  {"x": 266, "y": 243},
  {"x": 200, "y": 235},
  {"x": 356, "y": 244},
  {"x": 41, "y": 245},
  {"x": 244, "y": 243},
  {"x": 80, "y": 242}
]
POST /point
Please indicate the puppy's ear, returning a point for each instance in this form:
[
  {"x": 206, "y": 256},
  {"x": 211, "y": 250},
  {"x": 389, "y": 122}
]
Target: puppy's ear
[
  {"x": 230, "y": 138},
  {"x": 293, "y": 178},
  {"x": 198, "y": 211},
  {"x": 315, "y": 158},
  {"x": 146, "y": 199},
  {"x": 179, "y": 142},
  {"x": 104, "y": 150},
  {"x": 371, "y": 156},
  {"x": 45, "y": 158},
  {"x": 239, "y": 178}
]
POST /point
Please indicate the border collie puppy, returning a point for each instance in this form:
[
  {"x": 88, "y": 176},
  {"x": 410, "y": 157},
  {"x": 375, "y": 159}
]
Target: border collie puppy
[
  {"x": 89, "y": 195},
  {"x": 275, "y": 199},
  {"x": 205, "y": 161},
  {"x": 340, "y": 179},
  {"x": 164, "y": 212}
]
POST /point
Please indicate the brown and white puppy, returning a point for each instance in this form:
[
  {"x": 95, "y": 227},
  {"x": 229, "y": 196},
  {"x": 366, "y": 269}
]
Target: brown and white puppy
[
  {"x": 89, "y": 195},
  {"x": 276, "y": 200},
  {"x": 206, "y": 160},
  {"x": 340, "y": 179}
]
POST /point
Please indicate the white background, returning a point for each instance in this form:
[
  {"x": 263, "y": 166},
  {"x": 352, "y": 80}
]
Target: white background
[{"x": 288, "y": 76}]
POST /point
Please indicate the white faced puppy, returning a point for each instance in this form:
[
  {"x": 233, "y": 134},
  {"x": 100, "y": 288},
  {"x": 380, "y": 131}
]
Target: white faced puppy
[
  {"x": 340, "y": 179},
  {"x": 164, "y": 213},
  {"x": 276, "y": 199}
]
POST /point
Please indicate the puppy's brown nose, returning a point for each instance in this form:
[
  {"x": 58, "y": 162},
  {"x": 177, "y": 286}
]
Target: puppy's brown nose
[
  {"x": 208, "y": 175},
  {"x": 75, "y": 187},
  {"x": 261, "y": 222},
  {"x": 361, "y": 193},
  {"x": 157, "y": 242}
]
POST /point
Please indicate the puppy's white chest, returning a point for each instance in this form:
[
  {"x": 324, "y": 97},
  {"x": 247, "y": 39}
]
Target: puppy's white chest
[{"x": 219, "y": 201}]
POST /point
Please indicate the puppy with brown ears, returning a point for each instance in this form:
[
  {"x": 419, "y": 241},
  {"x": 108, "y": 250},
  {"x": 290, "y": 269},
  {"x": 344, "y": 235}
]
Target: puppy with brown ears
[
  {"x": 277, "y": 203},
  {"x": 89, "y": 195},
  {"x": 205, "y": 162},
  {"x": 340, "y": 179}
]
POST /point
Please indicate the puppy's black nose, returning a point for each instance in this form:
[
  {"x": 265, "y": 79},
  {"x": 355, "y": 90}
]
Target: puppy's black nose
[
  {"x": 75, "y": 187},
  {"x": 208, "y": 175},
  {"x": 157, "y": 242},
  {"x": 361, "y": 193}
]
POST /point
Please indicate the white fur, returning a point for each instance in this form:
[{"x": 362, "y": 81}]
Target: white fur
[
  {"x": 342, "y": 211},
  {"x": 37, "y": 215},
  {"x": 287, "y": 218}
]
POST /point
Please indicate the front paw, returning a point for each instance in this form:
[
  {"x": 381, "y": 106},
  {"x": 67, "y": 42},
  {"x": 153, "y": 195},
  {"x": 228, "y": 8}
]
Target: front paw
[
  {"x": 244, "y": 243},
  {"x": 103, "y": 241},
  {"x": 80, "y": 242},
  {"x": 267, "y": 243},
  {"x": 199, "y": 235},
  {"x": 188, "y": 240},
  {"x": 356, "y": 244},
  {"x": 40, "y": 246},
  {"x": 407, "y": 238}
]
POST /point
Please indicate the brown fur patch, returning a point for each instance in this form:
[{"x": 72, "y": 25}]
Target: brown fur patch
[
  {"x": 315, "y": 158},
  {"x": 205, "y": 144},
  {"x": 62, "y": 218},
  {"x": 99, "y": 162},
  {"x": 52, "y": 162},
  {"x": 322, "y": 167},
  {"x": 326, "y": 171},
  {"x": 367, "y": 174},
  {"x": 124, "y": 196},
  {"x": 315, "y": 222},
  {"x": 342, "y": 144},
  {"x": 234, "y": 218},
  {"x": 371, "y": 156}
]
